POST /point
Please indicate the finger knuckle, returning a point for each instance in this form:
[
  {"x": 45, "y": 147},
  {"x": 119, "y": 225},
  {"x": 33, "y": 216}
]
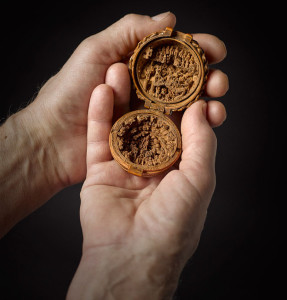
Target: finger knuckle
[
  {"x": 87, "y": 43},
  {"x": 130, "y": 17}
]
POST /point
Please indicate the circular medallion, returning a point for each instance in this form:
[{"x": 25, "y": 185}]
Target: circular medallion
[
  {"x": 145, "y": 142},
  {"x": 169, "y": 69}
]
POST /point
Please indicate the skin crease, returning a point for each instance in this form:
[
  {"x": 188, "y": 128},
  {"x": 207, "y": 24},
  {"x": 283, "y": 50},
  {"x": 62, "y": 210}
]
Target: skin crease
[{"x": 138, "y": 232}]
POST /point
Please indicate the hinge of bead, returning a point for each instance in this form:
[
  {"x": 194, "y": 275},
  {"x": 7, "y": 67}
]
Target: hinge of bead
[
  {"x": 158, "y": 107},
  {"x": 135, "y": 171},
  {"x": 168, "y": 31},
  {"x": 188, "y": 37}
]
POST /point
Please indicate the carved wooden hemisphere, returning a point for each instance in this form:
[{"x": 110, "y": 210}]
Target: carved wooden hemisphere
[{"x": 169, "y": 71}]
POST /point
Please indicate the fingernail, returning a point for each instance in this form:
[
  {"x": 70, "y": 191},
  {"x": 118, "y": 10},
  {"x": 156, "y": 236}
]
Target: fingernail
[{"x": 160, "y": 16}]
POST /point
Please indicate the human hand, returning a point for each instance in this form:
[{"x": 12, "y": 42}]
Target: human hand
[
  {"x": 62, "y": 104},
  {"x": 47, "y": 141},
  {"x": 139, "y": 232}
]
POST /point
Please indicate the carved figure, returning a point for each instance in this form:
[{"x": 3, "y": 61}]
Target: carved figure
[{"x": 168, "y": 72}]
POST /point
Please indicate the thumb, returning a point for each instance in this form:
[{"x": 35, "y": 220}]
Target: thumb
[
  {"x": 118, "y": 40},
  {"x": 87, "y": 66},
  {"x": 199, "y": 148}
]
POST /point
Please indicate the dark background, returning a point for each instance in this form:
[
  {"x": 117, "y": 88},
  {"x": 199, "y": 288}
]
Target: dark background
[{"x": 237, "y": 257}]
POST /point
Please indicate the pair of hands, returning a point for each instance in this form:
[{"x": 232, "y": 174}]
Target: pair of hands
[{"x": 138, "y": 232}]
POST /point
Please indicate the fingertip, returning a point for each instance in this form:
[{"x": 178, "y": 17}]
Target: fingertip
[
  {"x": 216, "y": 113},
  {"x": 165, "y": 17},
  {"x": 134, "y": 27},
  {"x": 217, "y": 83},
  {"x": 115, "y": 70},
  {"x": 118, "y": 78},
  {"x": 197, "y": 109}
]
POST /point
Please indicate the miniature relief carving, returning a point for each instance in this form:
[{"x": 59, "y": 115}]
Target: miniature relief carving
[
  {"x": 147, "y": 140},
  {"x": 168, "y": 72}
]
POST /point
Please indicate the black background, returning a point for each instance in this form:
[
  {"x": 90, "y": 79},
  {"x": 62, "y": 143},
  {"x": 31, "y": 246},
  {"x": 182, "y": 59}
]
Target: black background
[{"x": 237, "y": 257}]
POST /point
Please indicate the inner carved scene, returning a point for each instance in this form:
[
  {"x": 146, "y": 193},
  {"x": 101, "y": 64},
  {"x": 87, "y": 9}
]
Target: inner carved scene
[
  {"x": 168, "y": 72},
  {"x": 146, "y": 140}
]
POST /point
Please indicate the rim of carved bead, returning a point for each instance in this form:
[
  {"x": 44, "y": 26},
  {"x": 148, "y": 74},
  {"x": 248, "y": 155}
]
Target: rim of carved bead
[
  {"x": 168, "y": 71},
  {"x": 147, "y": 140}
]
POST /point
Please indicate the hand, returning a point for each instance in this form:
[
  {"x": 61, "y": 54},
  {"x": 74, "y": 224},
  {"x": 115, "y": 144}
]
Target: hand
[
  {"x": 62, "y": 103},
  {"x": 44, "y": 145},
  {"x": 139, "y": 232}
]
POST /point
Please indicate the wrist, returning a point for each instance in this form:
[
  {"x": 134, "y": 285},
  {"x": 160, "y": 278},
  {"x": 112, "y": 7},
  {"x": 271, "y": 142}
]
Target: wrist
[
  {"x": 40, "y": 145},
  {"x": 27, "y": 176},
  {"x": 117, "y": 272}
]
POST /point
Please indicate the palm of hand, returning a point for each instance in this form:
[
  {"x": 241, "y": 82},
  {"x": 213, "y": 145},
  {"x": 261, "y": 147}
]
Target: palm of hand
[
  {"x": 120, "y": 208},
  {"x": 166, "y": 212}
]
